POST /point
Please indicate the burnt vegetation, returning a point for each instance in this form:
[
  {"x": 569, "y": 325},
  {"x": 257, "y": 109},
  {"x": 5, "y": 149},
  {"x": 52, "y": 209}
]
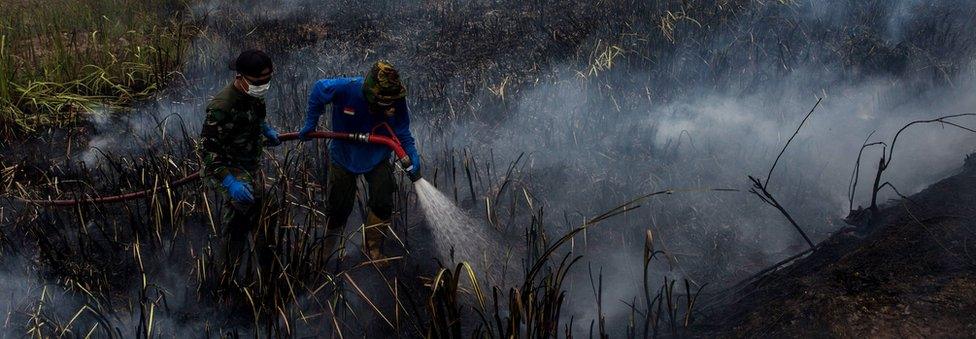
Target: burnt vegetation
[{"x": 145, "y": 267}]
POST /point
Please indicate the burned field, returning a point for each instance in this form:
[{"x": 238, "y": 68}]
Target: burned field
[
  {"x": 906, "y": 274},
  {"x": 600, "y": 155}
]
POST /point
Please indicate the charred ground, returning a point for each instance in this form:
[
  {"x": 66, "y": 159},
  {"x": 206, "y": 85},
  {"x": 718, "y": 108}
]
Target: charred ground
[
  {"x": 537, "y": 117},
  {"x": 910, "y": 273}
]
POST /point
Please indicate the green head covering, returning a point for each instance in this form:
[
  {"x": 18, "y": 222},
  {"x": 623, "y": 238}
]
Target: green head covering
[{"x": 383, "y": 83}]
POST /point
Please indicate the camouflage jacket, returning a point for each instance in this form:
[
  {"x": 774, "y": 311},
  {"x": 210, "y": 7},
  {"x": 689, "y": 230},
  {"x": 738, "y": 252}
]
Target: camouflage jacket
[{"x": 231, "y": 137}]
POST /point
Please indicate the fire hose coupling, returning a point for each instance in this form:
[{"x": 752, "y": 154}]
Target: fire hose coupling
[{"x": 360, "y": 137}]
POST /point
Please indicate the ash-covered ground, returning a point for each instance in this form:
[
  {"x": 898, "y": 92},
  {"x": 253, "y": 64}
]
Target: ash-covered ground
[
  {"x": 536, "y": 118},
  {"x": 908, "y": 274}
]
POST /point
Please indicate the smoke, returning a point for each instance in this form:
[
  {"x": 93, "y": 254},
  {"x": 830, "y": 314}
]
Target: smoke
[
  {"x": 596, "y": 141},
  {"x": 597, "y": 129},
  {"x": 16, "y": 282}
]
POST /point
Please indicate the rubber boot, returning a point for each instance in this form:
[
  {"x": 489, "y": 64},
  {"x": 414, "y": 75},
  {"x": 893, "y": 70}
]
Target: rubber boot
[
  {"x": 333, "y": 236},
  {"x": 373, "y": 239}
]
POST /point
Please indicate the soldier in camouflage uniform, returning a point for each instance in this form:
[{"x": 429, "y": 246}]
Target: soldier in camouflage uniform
[{"x": 233, "y": 138}]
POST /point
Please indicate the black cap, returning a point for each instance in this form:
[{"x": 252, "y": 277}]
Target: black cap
[{"x": 252, "y": 62}]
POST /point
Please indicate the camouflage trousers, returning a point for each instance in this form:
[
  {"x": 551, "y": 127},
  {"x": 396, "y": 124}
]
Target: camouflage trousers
[{"x": 244, "y": 229}]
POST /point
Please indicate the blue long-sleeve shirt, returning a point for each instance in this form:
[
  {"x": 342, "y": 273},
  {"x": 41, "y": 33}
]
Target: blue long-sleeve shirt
[{"x": 350, "y": 114}]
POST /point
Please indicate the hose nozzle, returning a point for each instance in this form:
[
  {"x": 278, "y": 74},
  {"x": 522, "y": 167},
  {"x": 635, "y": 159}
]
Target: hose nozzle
[
  {"x": 414, "y": 176},
  {"x": 406, "y": 166}
]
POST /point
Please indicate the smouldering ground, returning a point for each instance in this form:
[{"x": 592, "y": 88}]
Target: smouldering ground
[
  {"x": 910, "y": 275},
  {"x": 535, "y": 118}
]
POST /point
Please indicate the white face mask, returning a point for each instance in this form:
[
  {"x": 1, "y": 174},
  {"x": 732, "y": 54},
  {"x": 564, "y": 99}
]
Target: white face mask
[{"x": 258, "y": 91}]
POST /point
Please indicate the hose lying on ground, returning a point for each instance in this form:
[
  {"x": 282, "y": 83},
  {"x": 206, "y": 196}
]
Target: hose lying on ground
[{"x": 389, "y": 142}]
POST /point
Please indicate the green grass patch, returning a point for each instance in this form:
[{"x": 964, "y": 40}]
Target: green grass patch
[{"x": 60, "y": 59}]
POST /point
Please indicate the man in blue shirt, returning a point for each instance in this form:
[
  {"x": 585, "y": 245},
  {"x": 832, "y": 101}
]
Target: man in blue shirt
[{"x": 374, "y": 104}]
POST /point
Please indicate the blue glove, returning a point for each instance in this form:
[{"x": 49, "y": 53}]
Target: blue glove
[
  {"x": 310, "y": 123},
  {"x": 271, "y": 135},
  {"x": 239, "y": 191},
  {"x": 414, "y": 162}
]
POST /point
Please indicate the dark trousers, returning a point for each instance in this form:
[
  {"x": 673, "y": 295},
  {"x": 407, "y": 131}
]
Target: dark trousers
[
  {"x": 239, "y": 222},
  {"x": 342, "y": 194}
]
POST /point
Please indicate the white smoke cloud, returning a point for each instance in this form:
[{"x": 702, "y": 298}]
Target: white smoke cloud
[{"x": 592, "y": 143}]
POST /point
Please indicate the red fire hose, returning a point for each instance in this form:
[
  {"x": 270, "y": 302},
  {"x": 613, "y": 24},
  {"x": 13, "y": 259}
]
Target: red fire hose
[{"x": 357, "y": 137}]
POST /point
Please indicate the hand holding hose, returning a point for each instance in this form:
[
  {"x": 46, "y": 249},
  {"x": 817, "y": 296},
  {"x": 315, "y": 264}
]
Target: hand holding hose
[
  {"x": 271, "y": 135},
  {"x": 410, "y": 166},
  {"x": 310, "y": 123}
]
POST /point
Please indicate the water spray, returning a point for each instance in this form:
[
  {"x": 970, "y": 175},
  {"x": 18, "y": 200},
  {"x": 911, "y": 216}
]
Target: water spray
[{"x": 402, "y": 160}]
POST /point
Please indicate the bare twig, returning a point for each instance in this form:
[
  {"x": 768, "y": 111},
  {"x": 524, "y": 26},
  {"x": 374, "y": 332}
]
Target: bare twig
[
  {"x": 771, "y": 168},
  {"x": 760, "y": 191},
  {"x": 885, "y": 162},
  {"x": 852, "y": 186},
  {"x": 760, "y": 188}
]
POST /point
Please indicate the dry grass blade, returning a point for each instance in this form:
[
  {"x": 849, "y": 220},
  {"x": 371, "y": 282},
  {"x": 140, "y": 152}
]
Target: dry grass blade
[{"x": 368, "y": 300}]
